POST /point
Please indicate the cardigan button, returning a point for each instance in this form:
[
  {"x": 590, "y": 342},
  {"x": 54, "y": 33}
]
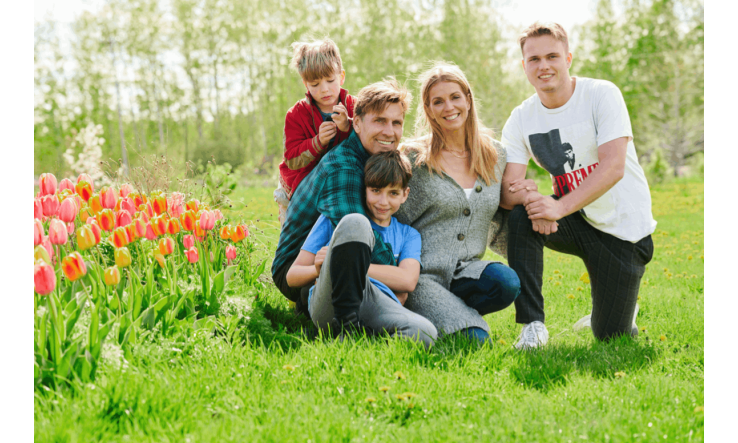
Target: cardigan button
[
  {"x": 460, "y": 237},
  {"x": 478, "y": 188},
  {"x": 467, "y": 212}
]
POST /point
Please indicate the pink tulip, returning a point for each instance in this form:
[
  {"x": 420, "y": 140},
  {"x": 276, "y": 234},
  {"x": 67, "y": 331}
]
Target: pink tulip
[
  {"x": 188, "y": 241},
  {"x": 108, "y": 198},
  {"x": 123, "y": 218},
  {"x": 230, "y": 253},
  {"x": 125, "y": 189},
  {"x": 140, "y": 226},
  {"x": 47, "y": 184},
  {"x": 38, "y": 232},
  {"x": 150, "y": 234},
  {"x": 192, "y": 255},
  {"x": 176, "y": 211},
  {"x": 47, "y": 245},
  {"x": 66, "y": 184},
  {"x": 128, "y": 204},
  {"x": 207, "y": 220},
  {"x": 50, "y": 205},
  {"x": 95, "y": 228},
  {"x": 68, "y": 210},
  {"x": 38, "y": 209},
  {"x": 70, "y": 228},
  {"x": 58, "y": 232},
  {"x": 218, "y": 215},
  {"x": 44, "y": 278},
  {"x": 88, "y": 179}
]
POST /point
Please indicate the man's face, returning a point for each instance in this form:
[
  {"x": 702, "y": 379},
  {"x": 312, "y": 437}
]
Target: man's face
[
  {"x": 546, "y": 63},
  {"x": 381, "y": 132}
]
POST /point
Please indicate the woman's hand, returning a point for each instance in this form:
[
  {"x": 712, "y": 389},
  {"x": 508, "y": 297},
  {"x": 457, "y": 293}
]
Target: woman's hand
[
  {"x": 523, "y": 185},
  {"x": 320, "y": 258}
]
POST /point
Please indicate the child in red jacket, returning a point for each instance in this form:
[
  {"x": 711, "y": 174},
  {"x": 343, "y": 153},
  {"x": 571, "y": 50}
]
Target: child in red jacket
[{"x": 317, "y": 123}]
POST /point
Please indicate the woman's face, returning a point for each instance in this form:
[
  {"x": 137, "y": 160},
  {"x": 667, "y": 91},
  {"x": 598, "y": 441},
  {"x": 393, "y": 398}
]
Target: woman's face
[{"x": 449, "y": 106}]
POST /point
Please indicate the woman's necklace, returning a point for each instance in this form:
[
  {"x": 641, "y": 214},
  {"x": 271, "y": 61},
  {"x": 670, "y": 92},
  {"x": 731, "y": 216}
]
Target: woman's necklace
[{"x": 454, "y": 153}]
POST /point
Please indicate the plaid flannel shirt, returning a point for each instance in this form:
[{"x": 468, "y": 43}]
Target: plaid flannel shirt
[{"x": 335, "y": 188}]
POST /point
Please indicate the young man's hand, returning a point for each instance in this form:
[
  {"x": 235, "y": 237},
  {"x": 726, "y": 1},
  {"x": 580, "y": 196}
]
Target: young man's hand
[
  {"x": 326, "y": 132},
  {"x": 543, "y": 207},
  {"x": 543, "y": 226},
  {"x": 320, "y": 258},
  {"x": 341, "y": 118}
]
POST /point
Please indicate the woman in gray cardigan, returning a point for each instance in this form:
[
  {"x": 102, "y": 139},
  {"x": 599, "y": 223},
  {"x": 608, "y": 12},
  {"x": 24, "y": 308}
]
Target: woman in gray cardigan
[{"x": 454, "y": 195}]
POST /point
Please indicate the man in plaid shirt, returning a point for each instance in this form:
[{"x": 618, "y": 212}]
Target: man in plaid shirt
[{"x": 335, "y": 188}]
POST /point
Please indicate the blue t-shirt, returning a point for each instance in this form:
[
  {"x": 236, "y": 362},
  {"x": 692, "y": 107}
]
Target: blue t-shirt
[{"x": 404, "y": 239}]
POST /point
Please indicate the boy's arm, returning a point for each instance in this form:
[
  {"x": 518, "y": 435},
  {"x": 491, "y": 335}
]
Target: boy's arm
[
  {"x": 400, "y": 278},
  {"x": 300, "y": 148},
  {"x": 303, "y": 271},
  {"x": 341, "y": 196}
]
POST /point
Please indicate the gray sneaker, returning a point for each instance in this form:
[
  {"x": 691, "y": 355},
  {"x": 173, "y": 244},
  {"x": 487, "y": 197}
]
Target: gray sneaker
[
  {"x": 533, "y": 335},
  {"x": 586, "y": 321}
]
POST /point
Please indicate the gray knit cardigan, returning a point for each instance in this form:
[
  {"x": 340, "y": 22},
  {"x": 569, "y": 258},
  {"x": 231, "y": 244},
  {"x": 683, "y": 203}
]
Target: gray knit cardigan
[{"x": 455, "y": 232}]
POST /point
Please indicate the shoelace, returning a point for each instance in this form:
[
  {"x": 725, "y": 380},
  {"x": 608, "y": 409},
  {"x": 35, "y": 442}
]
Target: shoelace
[{"x": 531, "y": 333}]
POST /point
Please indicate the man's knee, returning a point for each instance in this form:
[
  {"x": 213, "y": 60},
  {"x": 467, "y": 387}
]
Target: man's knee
[
  {"x": 518, "y": 219},
  {"x": 354, "y": 228}
]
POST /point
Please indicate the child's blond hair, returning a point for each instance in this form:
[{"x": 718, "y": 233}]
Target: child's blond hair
[{"x": 317, "y": 59}]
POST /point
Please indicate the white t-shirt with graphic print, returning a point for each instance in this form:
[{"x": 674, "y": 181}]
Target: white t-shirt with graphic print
[{"x": 564, "y": 142}]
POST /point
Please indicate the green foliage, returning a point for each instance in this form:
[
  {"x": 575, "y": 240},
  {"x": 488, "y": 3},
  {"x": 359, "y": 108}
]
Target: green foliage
[
  {"x": 657, "y": 169},
  {"x": 221, "y": 151}
]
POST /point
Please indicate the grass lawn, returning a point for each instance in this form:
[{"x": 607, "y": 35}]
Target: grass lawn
[{"x": 270, "y": 381}]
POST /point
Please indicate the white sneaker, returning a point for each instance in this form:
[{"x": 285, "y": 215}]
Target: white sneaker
[
  {"x": 586, "y": 321},
  {"x": 533, "y": 335}
]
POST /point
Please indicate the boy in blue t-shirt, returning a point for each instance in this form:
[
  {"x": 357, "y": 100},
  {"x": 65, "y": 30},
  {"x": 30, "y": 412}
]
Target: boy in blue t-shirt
[{"x": 386, "y": 179}]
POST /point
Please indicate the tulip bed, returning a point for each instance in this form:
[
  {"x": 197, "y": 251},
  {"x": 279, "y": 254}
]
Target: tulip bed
[{"x": 122, "y": 265}]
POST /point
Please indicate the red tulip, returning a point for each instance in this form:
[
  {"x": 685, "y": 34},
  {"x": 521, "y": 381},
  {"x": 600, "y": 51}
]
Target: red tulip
[
  {"x": 192, "y": 255},
  {"x": 87, "y": 178},
  {"x": 106, "y": 220},
  {"x": 66, "y": 184},
  {"x": 166, "y": 246},
  {"x": 58, "y": 232},
  {"x": 188, "y": 241},
  {"x": 125, "y": 189},
  {"x": 140, "y": 226},
  {"x": 47, "y": 184},
  {"x": 108, "y": 198},
  {"x": 137, "y": 199},
  {"x": 193, "y": 205},
  {"x": 50, "y": 205},
  {"x": 173, "y": 226},
  {"x": 85, "y": 238},
  {"x": 230, "y": 253},
  {"x": 123, "y": 218},
  {"x": 38, "y": 232},
  {"x": 120, "y": 237},
  {"x": 74, "y": 266},
  {"x": 68, "y": 210},
  {"x": 38, "y": 209},
  {"x": 95, "y": 229},
  {"x": 142, "y": 215},
  {"x": 146, "y": 208},
  {"x": 159, "y": 204},
  {"x": 131, "y": 231},
  {"x": 84, "y": 189},
  {"x": 207, "y": 220},
  {"x": 150, "y": 234},
  {"x": 188, "y": 220},
  {"x": 238, "y": 233},
  {"x": 44, "y": 278}
]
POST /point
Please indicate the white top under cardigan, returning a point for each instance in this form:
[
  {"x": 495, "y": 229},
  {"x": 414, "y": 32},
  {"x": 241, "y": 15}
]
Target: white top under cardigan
[{"x": 453, "y": 242}]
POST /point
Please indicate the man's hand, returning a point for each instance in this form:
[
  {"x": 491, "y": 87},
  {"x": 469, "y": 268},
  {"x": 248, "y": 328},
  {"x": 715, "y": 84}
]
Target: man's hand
[
  {"x": 320, "y": 258},
  {"x": 341, "y": 118},
  {"x": 523, "y": 185},
  {"x": 326, "y": 132},
  {"x": 543, "y": 226},
  {"x": 401, "y": 297},
  {"x": 543, "y": 207}
]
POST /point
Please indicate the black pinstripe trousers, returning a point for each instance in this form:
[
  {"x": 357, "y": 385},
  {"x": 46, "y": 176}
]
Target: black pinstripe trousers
[{"x": 615, "y": 269}]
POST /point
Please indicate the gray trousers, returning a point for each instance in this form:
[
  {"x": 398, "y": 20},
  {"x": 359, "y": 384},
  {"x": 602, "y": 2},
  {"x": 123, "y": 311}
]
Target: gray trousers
[{"x": 378, "y": 311}]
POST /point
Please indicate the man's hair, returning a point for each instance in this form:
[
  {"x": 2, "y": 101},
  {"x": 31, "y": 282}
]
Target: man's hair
[
  {"x": 376, "y": 97},
  {"x": 539, "y": 29},
  {"x": 387, "y": 169},
  {"x": 317, "y": 59}
]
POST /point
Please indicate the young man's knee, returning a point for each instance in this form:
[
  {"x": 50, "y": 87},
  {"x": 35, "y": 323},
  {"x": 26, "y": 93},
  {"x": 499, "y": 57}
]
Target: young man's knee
[
  {"x": 355, "y": 227},
  {"x": 518, "y": 219},
  {"x": 421, "y": 330}
]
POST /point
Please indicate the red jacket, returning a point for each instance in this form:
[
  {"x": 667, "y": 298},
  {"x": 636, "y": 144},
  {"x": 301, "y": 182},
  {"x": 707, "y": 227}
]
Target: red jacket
[{"x": 302, "y": 150}]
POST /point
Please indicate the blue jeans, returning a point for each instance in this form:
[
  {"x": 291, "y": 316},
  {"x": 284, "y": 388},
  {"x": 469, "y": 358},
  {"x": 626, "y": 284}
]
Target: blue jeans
[{"x": 496, "y": 289}]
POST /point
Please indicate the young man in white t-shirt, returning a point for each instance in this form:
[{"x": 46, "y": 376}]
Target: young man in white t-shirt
[{"x": 578, "y": 129}]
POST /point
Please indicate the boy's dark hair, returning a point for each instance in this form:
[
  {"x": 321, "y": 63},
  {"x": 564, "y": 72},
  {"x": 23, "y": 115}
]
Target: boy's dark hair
[{"x": 387, "y": 169}]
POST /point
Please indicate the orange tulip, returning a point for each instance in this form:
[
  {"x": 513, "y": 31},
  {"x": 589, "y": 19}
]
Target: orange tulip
[
  {"x": 44, "y": 278},
  {"x": 50, "y": 205},
  {"x": 58, "y": 232},
  {"x": 193, "y": 205},
  {"x": 73, "y": 266},
  {"x": 108, "y": 197},
  {"x": 225, "y": 232},
  {"x": 159, "y": 258},
  {"x": 47, "y": 184},
  {"x": 85, "y": 213},
  {"x": 95, "y": 204},
  {"x": 159, "y": 225},
  {"x": 38, "y": 232},
  {"x": 166, "y": 246},
  {"x": 188, "y": 241},
  {"x": 66, "y": 184},
  {"x": 68, "y": 210},
  {"x": 123, "y": 218},
  {"x": 188, "y": 220},
  {"x": 131, "y": 231},
  {"x": 137, "y": 199},
  {"x": 140, "y": 226},
  {"x": 120, "y": 237},
  {"x": 106, "y": 220},
  {"x": 86, "y": 178},
  {"x": 192, "y": 255},
  {"x": 85, "y": 238},
  {"x": 122, "y": 257},
  {"x": 238, "y": 233},
  {"x": 84, "y": 189},
  {"x": 112, "y": 276},
  {"x": 159, "y": 204},
  {"x": 95, "y": 229},
  {"x": 40, "y": 253},
  {"x": 173, "y": 226},
  {"x": 146, "y": 207},
  {"x": 199, "y": 232}
]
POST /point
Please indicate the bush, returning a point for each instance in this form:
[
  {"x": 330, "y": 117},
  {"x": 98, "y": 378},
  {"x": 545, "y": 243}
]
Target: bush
[
  {"x": 223, "y": 150},
  {"x": 657, "y": 169}
]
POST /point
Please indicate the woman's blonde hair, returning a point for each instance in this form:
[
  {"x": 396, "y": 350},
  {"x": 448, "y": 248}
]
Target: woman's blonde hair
[{"x": 429, "y": 139}]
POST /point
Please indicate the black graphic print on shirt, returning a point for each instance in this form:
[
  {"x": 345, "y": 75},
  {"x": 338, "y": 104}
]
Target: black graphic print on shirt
[{"x": 559, "y": 159}]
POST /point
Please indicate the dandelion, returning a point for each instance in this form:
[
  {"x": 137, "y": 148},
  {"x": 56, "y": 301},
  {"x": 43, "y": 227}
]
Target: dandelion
[
  {"x": 556, "y": 271},
  {"x": 662, "y": 338},
  {"x": 620, "y": 374},
  {"x": 558, "y": 283},
  {"x": 384, "y": 388},
  {"x": 579, "y": 288},
  {"x": 699, "y": 409},
  {"x": 288, "y": 368},
  {"x": 643, "y": 329},
  {"x": 585, "y": 278},
  {"x": 370, "y": 399},
  {"x": 502, "y": 341},
  {"x": 570, "y": 296},
  {"x": 399, "y": 375}
]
